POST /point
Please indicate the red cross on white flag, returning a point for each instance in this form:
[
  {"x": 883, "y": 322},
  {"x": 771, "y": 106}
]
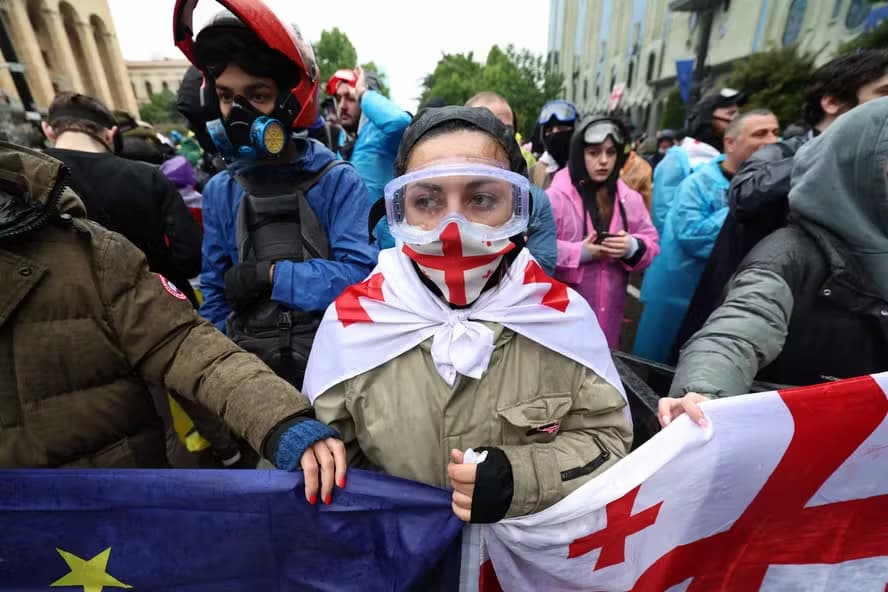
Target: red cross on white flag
[{"x": 783, "y": 491}]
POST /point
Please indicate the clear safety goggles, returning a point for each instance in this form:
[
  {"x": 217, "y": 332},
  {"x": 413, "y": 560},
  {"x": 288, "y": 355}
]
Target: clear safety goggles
[
  {"x": 420, "y": 204},
  {"x": 561, "y": 110},
  {"x": 598, "y": 132}
]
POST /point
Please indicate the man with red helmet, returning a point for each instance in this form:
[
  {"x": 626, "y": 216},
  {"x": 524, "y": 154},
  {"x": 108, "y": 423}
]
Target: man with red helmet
[
  {"x": 285, "y": 229},
  {"x": 372, "y": 129}
]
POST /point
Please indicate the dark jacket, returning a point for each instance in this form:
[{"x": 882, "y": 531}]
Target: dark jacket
[
  {"x": 759, "y": 204},
  {"x": 138, "y": 201},
  {"x": 799, "y": 311},
  {"x": 810, "y": 301},
  {"x": 828, "y": 285},
  {"x": 84, "y": 326}
]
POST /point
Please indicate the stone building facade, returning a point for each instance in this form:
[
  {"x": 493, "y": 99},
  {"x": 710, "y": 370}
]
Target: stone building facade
[
  {"x": 152, "y": 77},
  {"x": 600, "y": 44},
  {"x": 66, "y": 45}
]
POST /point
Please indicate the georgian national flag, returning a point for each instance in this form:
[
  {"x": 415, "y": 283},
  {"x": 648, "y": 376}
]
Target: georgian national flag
[
  {"x": 392, "y": 312},
  {"x": 781, "y": 491}
]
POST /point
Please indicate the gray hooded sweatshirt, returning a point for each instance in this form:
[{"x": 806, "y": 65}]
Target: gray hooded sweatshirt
[{"x": 840, "y": 185}]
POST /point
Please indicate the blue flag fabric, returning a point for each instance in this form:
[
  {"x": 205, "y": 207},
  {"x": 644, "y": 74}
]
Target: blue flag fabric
[
  {"x": 220, "y": 531},
  {"x": 684, "y": 70}
]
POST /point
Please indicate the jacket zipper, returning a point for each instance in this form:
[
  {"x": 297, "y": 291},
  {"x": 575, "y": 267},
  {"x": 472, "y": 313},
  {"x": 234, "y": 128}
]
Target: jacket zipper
[{"x": 54, "y": 196}]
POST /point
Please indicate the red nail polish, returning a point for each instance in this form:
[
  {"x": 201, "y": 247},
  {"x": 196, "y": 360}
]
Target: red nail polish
[
  {"x": 313, "y": 500},
  {"x": 342, "y": 483},
  {"x": 328, "y": 499}
]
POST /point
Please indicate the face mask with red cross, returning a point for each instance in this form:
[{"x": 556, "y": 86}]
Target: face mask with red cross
[{"x": 459, "y": 263}]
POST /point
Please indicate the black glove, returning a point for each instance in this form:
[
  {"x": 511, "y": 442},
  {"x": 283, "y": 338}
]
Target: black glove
[
  {"x": 247, "y": 283},
  {"x": 493, "y": 487}
]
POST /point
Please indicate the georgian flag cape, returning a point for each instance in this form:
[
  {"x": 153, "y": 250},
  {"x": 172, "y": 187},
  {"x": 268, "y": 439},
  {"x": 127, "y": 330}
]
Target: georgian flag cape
[
  {"x": 392, "y": 312},
  {"x": 783, "y": 491}
]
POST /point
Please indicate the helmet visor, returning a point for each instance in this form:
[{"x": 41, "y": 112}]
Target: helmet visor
[
  {"x": 598, "y": 132},
  {"x": 559, "y": 110},
  {"x": 419, "y": 204}
]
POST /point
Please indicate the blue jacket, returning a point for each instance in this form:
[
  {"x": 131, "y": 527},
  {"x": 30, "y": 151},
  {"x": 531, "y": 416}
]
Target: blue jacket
[
  {"x": 692, "y": 226},
  {"x": 340, "y": 201},
  {"x": 679, "y": 162},
  {"x": 379, "y": 135},
  {"x": 672, "y": 170},
  {"x": 541, "y": 231}
]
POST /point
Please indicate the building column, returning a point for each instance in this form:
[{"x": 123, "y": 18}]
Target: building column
[
  {"x": 94, "y": 66},
  {"x": 29, "y": 53},
  {"x": 122, "y": 74},
  {"x": 62, "y": 50}
]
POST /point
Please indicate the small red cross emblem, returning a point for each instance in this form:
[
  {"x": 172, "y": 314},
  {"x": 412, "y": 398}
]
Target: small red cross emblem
[
  {"x": 453, "y": 263},
  {"x": 620, "y": 525}
]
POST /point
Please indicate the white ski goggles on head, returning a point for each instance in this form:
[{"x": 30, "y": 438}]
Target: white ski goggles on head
[
  {"x": 418, "y": 205},
  {"x": 598, "y": 132}
]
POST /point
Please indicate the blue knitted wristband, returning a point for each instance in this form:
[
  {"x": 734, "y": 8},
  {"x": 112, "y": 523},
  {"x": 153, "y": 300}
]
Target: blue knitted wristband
[{"x": 296, "y": 440}]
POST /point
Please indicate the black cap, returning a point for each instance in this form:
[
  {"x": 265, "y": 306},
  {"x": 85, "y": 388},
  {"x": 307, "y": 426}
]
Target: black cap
[{"x": 479, "y": 117}]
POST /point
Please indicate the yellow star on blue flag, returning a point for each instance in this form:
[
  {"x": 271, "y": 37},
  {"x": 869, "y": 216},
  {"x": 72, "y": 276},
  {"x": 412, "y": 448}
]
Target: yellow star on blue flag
[{"x": 92, "y": 575}]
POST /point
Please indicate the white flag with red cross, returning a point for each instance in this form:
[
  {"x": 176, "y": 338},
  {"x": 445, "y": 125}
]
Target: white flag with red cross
[
  {"x": 781, "y": 491},
  {"x": 393, "y": 311}
]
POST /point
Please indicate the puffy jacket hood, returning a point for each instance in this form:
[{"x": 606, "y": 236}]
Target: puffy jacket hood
[
  {"x": 179, "y": 170},
  {"x": 32, "y": 190},
  {"x": 839, "y": 183}
]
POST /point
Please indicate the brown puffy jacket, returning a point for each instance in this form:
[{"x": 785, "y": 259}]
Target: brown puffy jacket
[
  {"x": 638, "y": 175},
  {"x": 84, "y": 326}
]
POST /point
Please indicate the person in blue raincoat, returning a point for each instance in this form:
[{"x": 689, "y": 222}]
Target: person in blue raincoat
[
  {"x": 707, "y": 124},
  {"x": 690, "y": 230},
  {"x": 372, "y": 128}
]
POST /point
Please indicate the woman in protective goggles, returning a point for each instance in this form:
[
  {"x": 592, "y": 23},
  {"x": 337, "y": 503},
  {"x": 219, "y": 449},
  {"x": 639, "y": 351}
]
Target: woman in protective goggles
[
  {"x": 459, "y": 340},
  {"x": 604, "y": 230}
]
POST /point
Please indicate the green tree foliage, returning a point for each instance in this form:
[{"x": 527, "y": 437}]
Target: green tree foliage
[
  {"x": 775, "y": 79},
  {"x": 333, "y": 52},
  {"x": 454, "y": 79},
  {"x": 518, "y": 75},
  {"x": 674, "y": 112},
  {"x": 161, "y": 108}
]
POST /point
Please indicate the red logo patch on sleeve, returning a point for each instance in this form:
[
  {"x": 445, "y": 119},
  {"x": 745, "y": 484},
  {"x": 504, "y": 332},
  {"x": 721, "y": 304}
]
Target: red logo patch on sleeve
[{"x": 171, "y": 289}]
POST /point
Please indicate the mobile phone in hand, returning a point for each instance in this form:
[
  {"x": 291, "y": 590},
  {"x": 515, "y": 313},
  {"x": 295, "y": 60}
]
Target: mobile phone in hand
[{"x": 599, "y": 238}]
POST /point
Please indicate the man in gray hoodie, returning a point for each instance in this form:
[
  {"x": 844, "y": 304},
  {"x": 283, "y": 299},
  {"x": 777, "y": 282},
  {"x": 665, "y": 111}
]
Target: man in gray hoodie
[{"x": 810, "y": 302}]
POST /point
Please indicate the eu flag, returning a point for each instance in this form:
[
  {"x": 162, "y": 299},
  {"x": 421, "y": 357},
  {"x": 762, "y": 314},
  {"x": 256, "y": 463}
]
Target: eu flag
[{"x": 219, "y": 531}]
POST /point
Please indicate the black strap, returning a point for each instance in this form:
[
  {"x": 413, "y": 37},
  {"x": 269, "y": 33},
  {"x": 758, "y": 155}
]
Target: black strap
[
  {"x": 377, "y": 213},
  {"x": 285, "y": 339},
  {"x": 280, "y": 195}
]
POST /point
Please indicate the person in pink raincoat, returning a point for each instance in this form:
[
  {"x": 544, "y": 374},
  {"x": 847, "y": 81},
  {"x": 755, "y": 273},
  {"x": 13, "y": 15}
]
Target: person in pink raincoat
[{"x": 603, "y": 229}]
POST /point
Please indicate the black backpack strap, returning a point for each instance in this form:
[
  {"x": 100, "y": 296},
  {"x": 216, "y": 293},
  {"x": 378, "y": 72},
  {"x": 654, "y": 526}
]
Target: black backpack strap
[
  {"x": 377, "y": 213},
  {"x": 288, "y": 225}
]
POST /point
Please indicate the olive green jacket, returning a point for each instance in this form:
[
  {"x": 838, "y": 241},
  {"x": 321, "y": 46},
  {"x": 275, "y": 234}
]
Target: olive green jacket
[{"x": 558, "y": 422}]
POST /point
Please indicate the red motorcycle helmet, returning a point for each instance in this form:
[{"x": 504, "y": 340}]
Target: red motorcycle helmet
[
  {"x": 347, "y": 76},
  {"x": 299, "y": 102}
]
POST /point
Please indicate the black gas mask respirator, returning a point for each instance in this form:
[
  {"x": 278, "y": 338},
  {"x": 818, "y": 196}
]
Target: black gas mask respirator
[{"x": 247, "y": 133}]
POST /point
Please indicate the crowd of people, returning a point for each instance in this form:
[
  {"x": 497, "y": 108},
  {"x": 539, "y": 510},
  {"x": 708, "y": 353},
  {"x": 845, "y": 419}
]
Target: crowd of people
[{"x": 345, "y": 284}]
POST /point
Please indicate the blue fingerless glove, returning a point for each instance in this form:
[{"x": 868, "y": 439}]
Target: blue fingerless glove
[{"x": 293, "y": 442}]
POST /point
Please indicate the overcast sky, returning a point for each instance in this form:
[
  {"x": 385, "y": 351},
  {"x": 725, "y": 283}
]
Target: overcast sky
[{"x": 406, "y": 52}]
